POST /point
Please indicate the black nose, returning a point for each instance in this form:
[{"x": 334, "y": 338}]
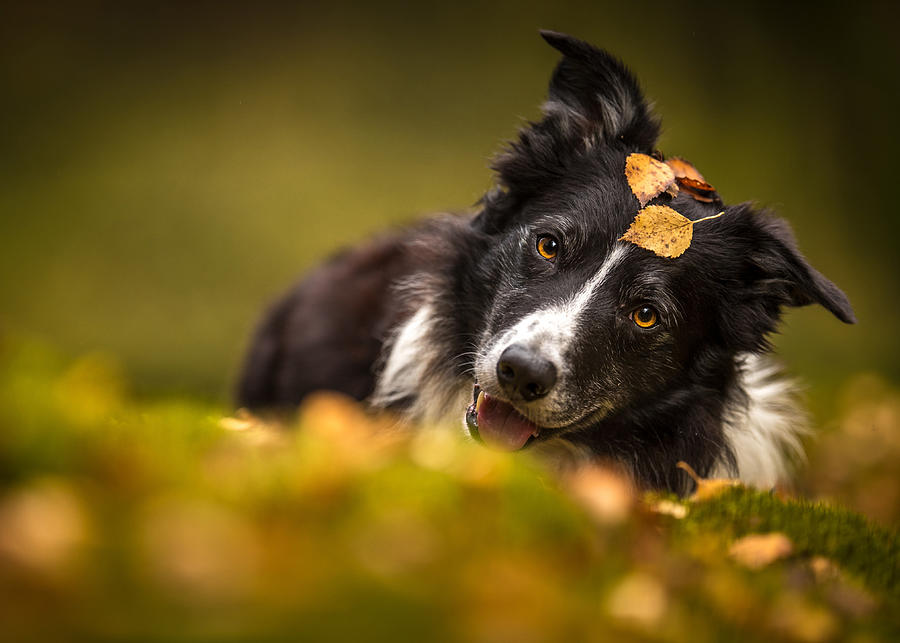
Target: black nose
[{"x": 524, "y": 373}]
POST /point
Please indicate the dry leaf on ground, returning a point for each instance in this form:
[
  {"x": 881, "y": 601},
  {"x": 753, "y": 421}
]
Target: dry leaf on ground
[
  {"x": 606, "y": 494},
  {"x": 759, "y": 550},
  {"x": 670, "y": 508},
  {"x": 253, "y": 429},
  {"x": 639, "y": 597},
  {"x": 648, "y": 177},
  {"x": 707, "y": 487}
]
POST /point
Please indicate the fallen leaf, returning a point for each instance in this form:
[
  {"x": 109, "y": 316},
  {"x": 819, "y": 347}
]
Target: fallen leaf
[
  {"x": 707, "y": 487},
  {"x": 824, "y": 569},
  {"x": 698, "y": 190},
  {"x": 243, "y": 421},
  {"x": 648, "y": 177},
  {"x": 360, "y": 439},
  {"x": 253, "y": 429},
  {"x": 607, "y": 495},
  {"x": 42, "y": 526},
  {"x": 759, "y": 550},
  {"x": 639, "y": 597},
  {"x": 670, "y": 508},
  {"x": 662, "y": 230},
  {"x": 689, "y": 179},
  {"x": 684, "y": 169}
]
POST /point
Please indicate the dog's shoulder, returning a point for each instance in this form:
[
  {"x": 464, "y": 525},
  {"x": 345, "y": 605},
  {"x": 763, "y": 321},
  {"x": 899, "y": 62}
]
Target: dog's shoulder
[
  {"x": 418, "y": 369},
  {"x": 764, "y": 422}
]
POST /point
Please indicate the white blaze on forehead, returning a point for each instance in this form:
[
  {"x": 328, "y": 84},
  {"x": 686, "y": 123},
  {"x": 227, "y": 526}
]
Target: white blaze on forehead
[
  {"x": 580, "y": 301},
  {"x": 551, "y": 330}
]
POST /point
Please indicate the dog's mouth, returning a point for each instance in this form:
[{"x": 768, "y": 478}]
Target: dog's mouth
[{"x": 497, "y": 424}]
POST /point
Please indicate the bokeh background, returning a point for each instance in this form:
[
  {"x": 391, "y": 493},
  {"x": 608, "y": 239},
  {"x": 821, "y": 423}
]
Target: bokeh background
[{"x": 169, "y": 168}]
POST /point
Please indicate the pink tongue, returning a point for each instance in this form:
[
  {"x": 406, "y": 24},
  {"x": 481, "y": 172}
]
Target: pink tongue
[{"x": 500, "y": 425}]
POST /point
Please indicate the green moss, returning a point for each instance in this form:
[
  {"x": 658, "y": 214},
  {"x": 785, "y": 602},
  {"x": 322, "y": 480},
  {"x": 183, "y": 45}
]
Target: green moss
[{"x": 870, "y": 552}]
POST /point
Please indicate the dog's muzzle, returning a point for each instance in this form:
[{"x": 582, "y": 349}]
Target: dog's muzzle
[
  {"x": 524, "y": 374},
  {"x": 497, "y": 424}
]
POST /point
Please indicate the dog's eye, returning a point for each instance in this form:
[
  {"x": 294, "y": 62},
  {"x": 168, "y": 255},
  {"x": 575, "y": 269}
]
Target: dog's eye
[
  {"x": 548, "y": 247},
  {"x": 645, "y": 317}
]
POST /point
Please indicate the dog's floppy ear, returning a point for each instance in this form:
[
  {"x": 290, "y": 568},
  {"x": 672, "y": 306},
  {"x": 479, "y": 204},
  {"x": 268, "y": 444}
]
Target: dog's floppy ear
[
  {"x": 771, "y": 273},
  {"x": 595, "y": 97},
  {"x": 787, "y": 276}
]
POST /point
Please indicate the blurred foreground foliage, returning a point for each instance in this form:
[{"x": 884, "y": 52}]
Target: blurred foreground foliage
[{"x": 162, "y": 521}]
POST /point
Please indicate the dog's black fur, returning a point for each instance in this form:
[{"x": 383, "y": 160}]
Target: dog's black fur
[{"x": 411, "y": 319}]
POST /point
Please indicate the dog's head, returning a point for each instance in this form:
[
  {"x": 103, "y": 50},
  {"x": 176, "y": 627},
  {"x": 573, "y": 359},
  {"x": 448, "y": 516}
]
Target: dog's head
[{"x": 581, "y": 326}]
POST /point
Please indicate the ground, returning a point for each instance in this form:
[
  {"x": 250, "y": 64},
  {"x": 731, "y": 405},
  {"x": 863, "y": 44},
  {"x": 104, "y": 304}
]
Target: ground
[{"x": 127, "y": 519}]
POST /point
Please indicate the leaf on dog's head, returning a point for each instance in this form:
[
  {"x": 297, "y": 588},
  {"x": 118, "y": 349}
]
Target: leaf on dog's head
[
  {"x": 691, "y": 181},
  {"x": 648, "y": 177},
  {"x": 684, "y": 169},
  {"x": 662, "y": 230},
  {"x": 698, "y": 190}
]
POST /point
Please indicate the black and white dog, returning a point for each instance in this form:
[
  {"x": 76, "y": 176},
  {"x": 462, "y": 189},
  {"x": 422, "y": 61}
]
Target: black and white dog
[{"x": 534, "y": 326}]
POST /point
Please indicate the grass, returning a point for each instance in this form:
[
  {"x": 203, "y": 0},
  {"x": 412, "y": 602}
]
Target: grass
[{"x": 159, "y": 521}]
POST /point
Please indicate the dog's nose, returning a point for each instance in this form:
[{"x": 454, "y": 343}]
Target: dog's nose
[{"x": 523, "y": 372}]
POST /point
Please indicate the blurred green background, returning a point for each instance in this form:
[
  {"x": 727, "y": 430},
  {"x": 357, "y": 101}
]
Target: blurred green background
[{"x": 168, "y": 168}]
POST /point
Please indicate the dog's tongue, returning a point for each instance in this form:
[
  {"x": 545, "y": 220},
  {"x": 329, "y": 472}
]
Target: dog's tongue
[{"x": 500, "y": 425}]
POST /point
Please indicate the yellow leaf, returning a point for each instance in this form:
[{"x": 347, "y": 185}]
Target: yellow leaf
[
  {"x": 253, "y": 429},
  {"x": 640, "y": 598},
  {"x": 648, "y": 177},
  {"x": 670, "y": 508},
  {"x": 662, "y": 230},
  {"x": 606, "y": 494},
  {"x": 759, "y": 550},
  {"x": 707, "y": 487}
]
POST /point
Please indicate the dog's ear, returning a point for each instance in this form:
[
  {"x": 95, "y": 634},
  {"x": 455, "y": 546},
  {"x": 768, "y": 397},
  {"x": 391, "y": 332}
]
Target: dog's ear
[
  {"x": 787, "y": 276},
  {"x": 593, "y": 101},
  {"x": 596, "y": 98},
  {"x": 770, "y": 273}
]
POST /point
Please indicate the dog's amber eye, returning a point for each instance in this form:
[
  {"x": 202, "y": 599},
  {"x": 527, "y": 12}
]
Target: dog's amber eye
[
  {"x": 548, "y": 247},
  {"x": 645, "y": 317}
]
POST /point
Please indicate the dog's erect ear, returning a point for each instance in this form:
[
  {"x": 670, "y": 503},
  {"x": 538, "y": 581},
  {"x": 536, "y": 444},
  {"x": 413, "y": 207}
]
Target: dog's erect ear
[
  {"x": 781, "y": 276},
  {"x": 595, "y": 97},
  {"x": 593, "y": 101}
]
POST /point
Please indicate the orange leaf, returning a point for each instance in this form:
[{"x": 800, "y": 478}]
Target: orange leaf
[
  {"x": 647, "y": 177},
  {"x": 691, "y": 181},
  {"x": 759, "y": 550},
  {"x": 707, "y": 487},
  {"x": 607, "y": 495},
  {"x": 699, "y": 190},
  {"x": 682, "y": 168}
]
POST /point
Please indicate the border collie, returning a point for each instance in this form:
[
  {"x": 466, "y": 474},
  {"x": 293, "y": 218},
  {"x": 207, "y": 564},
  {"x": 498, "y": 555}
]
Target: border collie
[{"x": 534, "y": 326}]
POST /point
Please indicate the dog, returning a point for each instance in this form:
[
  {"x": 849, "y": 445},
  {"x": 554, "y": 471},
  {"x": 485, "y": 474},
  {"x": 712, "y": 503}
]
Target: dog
[{"x": 535, "y": 326}]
